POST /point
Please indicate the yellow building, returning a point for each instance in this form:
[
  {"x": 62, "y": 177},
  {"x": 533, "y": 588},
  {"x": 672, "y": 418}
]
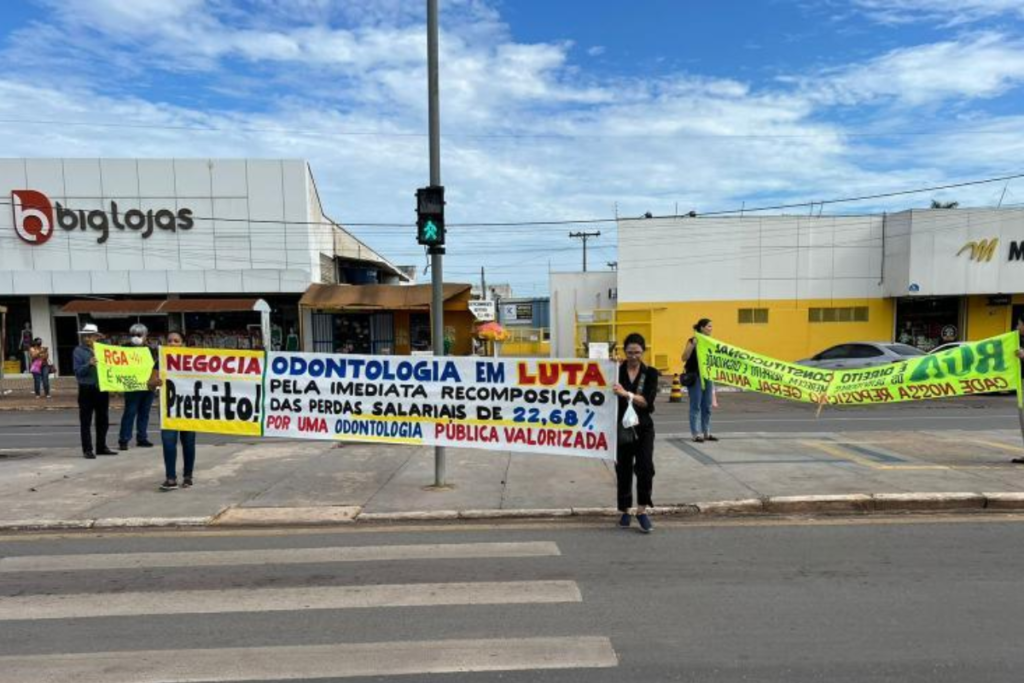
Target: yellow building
[{"x": 791, "y": 286}]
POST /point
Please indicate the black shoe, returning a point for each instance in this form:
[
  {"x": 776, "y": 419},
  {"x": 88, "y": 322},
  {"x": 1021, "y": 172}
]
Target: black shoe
[
  {"x": 698, "y": 439},
  {"x": 1018, "y": 461},
  {"x": 186, "y": 482},
  {"x": 122, "y": 445},
  {"x": 710, "y": 437},
  {"x": 169, "y": 485},
  {"x": 143, "y": 444},
  {"x": 105, "y": 451},
  {"x": 89, "y": 455}
]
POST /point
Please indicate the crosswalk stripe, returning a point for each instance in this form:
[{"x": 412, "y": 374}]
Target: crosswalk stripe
[
  {"x": 218, "y": 558},
  {"x": 312, "y": 661},
  {"x": 84, "y": 605}
]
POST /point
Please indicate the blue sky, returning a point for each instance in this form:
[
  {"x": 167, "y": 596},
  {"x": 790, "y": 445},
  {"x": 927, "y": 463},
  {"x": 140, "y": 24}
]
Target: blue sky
[{"x": 550, "y": 110}]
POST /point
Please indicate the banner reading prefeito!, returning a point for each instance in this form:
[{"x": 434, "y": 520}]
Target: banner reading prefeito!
[
  {"x": 972, "y": 368},
  {"x": 540, "y": 406},
  {"x": 123, "y": 368},
  {"x": 212, "y": 390}
]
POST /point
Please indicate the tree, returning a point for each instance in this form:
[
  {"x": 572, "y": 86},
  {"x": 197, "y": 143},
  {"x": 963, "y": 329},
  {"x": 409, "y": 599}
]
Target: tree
[{"x": 936, "y": 204}]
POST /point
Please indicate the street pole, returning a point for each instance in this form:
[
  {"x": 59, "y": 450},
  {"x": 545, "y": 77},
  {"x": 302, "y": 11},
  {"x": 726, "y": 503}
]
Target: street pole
[
  {"x": 585, "y": 236},
  {"x": 436, "y": 253}
]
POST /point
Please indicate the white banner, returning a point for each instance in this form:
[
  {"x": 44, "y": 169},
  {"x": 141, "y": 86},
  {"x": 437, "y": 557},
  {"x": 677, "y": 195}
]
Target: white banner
[{"x": 531, "y": 405}]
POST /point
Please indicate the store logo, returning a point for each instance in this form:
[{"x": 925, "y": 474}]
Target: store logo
[
  {"x": 981, "y": 250},
  {"x": 33, "y": 216}
]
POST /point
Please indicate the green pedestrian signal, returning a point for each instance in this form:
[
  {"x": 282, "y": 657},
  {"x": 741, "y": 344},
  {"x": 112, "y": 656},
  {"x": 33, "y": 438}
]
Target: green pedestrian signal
[
  {"x": 430, "y": 217},
  {"x": 430, "y": 232}
]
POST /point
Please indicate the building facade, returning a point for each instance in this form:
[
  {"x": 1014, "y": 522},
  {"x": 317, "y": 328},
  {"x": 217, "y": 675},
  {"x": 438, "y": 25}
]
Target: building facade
[
  {"x": 791, "y": 286},
  {"x": 107, "y": 230}
]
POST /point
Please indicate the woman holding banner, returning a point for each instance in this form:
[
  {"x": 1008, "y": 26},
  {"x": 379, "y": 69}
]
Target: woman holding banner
[
  {"x": 170, "y": 438},
  {"x": 637, "y": 385},
  {"x": 702, "y": 395}
]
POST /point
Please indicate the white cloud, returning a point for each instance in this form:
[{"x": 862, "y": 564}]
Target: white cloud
[
  {"x": 528, "y": 132},
  {"x": 596, "y": 51},
  {"x": 979, "y": 66},
  {"x": 942, "y": 12}
]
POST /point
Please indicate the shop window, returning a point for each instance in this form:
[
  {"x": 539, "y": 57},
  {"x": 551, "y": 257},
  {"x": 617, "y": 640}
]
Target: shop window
[
  {"x": 749, "y": 316},
  {"x": 842, "y": 314}
]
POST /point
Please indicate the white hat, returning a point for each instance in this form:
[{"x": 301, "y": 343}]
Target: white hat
[{"x": 89, "y": 329}]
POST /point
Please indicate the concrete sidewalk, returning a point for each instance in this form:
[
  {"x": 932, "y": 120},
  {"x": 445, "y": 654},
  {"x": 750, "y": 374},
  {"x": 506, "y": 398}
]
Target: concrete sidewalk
[{"x": 290, "y": 482}]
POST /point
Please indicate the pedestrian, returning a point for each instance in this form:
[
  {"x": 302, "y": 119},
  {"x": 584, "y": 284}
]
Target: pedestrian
[
  {"x": 170, "y": 438},
  {"x": 137, "y": 404},
  {"x": 40, "y": 367},
  {"x": 91, "y": 401},
  {"x": 24, "y": 345},
  {"x": 638, "y": 384},
  {"x": 702, "y": 394}
]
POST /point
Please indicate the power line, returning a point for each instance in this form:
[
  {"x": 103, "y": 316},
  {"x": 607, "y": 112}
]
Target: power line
[
  {"x": 681, "y": 135},
  {"x": 591, "y": 221}
]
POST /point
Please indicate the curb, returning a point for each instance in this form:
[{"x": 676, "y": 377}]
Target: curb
[{"x": 771, "y": 506}]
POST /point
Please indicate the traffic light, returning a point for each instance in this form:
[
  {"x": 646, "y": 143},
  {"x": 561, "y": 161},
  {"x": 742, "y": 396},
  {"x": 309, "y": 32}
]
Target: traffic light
[{"x": 430, "y": 216}]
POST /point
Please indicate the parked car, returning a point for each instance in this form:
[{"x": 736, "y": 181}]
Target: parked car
[
  {"x": 946, "y": 347},
  {"x": 861, "y": 355}
]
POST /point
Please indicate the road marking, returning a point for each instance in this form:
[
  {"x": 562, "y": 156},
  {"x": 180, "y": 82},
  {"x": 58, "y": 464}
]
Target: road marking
[
  {"x": 87, "y": 605},
  {"x": 313, "y": 661},
  {"x": 218, "y": 558},
  {"x": 840, "y": 452},
  {"x": 1002, "y": 446}
]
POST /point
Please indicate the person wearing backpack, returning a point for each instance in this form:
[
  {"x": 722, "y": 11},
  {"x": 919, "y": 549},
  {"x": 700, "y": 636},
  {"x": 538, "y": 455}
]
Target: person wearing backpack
[{"x": 636, "y": 389}]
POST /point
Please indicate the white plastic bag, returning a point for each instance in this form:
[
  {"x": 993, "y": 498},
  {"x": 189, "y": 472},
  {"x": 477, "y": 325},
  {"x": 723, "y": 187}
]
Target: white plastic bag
[{"x": 630, "y": 419}]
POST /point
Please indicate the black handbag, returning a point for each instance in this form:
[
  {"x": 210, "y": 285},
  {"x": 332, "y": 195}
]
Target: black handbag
[{"x": 688, "y": 379}]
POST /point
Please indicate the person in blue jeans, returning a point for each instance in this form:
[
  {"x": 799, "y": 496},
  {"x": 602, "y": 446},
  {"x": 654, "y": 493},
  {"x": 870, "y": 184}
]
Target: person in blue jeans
[
  {"x": 137, "y": 404},
  {"x": 171, "y": 437},
  {"x": 702, "y": 394}
]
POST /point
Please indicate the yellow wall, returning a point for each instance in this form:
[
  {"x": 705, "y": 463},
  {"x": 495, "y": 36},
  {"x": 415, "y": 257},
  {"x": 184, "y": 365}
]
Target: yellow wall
[
  {"x": 984, "y": 320},
  {"x": 787, "y": 335}
]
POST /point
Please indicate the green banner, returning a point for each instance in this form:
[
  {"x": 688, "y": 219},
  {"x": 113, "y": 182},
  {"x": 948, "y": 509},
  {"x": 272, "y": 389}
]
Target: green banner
[
  {"x": 727, "y": 364},
  {"x": 979, "y": 367},
  {"x": 122, "y": 368},
  {"x": 974, "y": 368}
]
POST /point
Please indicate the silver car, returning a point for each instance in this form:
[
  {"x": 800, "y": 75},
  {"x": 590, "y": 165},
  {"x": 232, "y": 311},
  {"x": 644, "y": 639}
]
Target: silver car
[{"x": 861, "y": 355}]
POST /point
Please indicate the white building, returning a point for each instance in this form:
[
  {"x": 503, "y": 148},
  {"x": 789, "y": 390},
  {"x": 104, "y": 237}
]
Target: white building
[{"x": 148, "y": 230}]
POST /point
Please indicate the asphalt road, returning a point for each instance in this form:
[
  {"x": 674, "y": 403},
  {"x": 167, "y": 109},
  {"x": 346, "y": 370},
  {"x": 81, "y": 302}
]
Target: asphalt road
[
  {"x": 922, "y": 599},
  {"x": 738, "y": 412}
]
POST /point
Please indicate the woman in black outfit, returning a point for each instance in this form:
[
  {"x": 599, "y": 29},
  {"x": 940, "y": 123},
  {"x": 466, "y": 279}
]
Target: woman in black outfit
[{"x": 639, "y": 384}]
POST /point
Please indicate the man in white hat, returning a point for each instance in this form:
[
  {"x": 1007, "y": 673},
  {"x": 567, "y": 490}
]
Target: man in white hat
[{"x": 91, "y": 401}]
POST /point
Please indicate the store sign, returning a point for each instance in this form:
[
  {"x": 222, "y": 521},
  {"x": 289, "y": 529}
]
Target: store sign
[
  {"x": 36, "y": 218},
  {"x": 981, "y": 251},
  {"x": 482, "y": 310}
]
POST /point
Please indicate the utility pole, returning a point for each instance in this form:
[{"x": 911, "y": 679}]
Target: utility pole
[
  {"x": 585, "y": 236},
  {"x": 483, "y": 285},
  {"x": 436, "y": 252}
]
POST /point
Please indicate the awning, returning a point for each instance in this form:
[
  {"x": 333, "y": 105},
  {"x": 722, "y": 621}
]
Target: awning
[
  {"x": 164, "y": 306},
  {"x": 380, "y": 297}
]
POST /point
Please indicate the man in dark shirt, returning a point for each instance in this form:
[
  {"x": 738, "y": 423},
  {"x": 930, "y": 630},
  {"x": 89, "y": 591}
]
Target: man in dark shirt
[{"x": 91, "y": 401}]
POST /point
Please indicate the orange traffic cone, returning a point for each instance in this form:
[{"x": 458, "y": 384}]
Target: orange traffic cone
[{"x": 677, "y": 391}]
